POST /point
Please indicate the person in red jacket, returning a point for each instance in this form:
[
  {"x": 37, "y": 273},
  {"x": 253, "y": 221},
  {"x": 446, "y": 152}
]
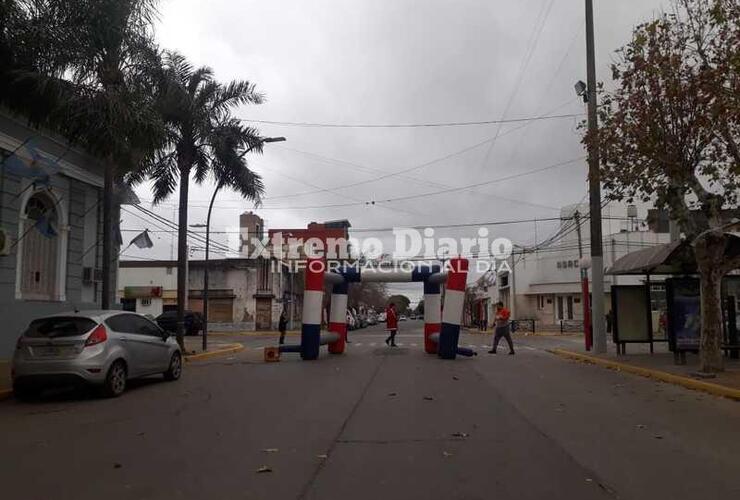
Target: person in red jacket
[{"x": 391, "y": 324}]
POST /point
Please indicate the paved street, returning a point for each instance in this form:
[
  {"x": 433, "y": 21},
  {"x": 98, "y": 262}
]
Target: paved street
[{"x": 377, "y": 423}]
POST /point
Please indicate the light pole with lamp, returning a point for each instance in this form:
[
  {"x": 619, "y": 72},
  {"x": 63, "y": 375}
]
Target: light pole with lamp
[{"x": 207, "y": 225}]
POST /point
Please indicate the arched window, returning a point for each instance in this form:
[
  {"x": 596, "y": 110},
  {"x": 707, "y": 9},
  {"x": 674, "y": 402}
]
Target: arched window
[{"x": 40, "y": 249}]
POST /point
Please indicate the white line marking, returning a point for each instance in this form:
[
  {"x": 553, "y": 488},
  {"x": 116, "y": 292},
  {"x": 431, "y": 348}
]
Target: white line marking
[
  {"x": 358, "y": 344},
  {"x": 372, "y": 344},
  {"x": 414, "y": 345}
]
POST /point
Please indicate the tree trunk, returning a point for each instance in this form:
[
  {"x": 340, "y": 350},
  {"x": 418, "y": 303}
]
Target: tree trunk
[
  {"x": 709, "y": 250},
  {"x": 105, "y": 301},
  {"x": 182, "y": 256}
]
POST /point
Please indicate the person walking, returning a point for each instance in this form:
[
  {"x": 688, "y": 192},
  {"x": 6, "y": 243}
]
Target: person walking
[
  {"x": 282, "y": 326},
  {"x": 391, "y": 324},
  {"x": 501, "y": 323}
]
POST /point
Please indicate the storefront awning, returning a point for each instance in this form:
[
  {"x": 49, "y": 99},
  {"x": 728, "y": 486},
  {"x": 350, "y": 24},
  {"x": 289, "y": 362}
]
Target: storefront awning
[{"x": 671, "y": 258}]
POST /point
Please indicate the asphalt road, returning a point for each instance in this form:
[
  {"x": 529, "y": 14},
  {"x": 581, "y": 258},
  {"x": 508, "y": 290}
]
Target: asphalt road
[{"x": 377, "y": 423}]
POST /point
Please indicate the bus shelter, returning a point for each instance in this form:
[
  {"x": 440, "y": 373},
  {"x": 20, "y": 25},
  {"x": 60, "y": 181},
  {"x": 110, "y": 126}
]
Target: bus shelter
[{"x": 666, "y": 306}]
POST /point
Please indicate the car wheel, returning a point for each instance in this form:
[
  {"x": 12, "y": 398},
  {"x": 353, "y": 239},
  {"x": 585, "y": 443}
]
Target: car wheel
[
  {"x": 25, "y": 392},
  {"x": 115, "y": 381},
  {"x": 175, "y": 369}
]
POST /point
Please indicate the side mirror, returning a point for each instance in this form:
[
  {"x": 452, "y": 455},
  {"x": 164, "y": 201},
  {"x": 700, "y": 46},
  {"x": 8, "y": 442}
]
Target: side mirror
[{"x": 164, "y": 334}]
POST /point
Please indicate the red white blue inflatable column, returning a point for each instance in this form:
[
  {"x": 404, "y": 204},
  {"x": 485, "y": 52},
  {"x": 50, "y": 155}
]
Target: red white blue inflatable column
[
  {"x": 338, "y": 316},
  {"x": 313, "y": 297},
  {"x": 432, "y": 315},
  {"x": 457, "y": 275}
]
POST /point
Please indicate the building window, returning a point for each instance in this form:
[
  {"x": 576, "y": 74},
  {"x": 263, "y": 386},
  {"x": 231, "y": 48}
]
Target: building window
[
  {"x": 146, "y": 302},
  {"x": 560, "y": 265},
  {"x": 40, "y": 267},
  {"x": 169, "y": 271}
]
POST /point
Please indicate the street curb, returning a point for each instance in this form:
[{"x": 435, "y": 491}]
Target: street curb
[
  {"x": 689, "y": 383},
  {"x": 229, "y": 349}
]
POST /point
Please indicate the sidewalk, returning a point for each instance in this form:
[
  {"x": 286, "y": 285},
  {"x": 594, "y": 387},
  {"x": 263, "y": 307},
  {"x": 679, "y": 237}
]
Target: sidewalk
[
  {"x": 194, "y": 348},
  {"x": 659, "y": 366}
]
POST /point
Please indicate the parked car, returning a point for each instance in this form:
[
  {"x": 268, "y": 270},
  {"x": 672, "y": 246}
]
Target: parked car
[
  {"x": 101, "y": 348},
  {"x": 350, "y": 321},
  {"x": 382, "y": 317},
  {"x": 402, "y": 317},
  {"x": 193, "y": 322}
]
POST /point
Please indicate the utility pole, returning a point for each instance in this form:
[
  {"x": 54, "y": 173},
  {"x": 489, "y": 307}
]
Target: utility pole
[
  {"x": 594, "y": 180},
  {"x": 585, "y": 300}
]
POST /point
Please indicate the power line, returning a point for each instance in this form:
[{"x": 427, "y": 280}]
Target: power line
[
  {"x": 531, "y": 48},
  {"x": 424, "y": 195},
  {"x": 430, "y": 226},
  {"x": 193, "y": 236},
  {"x": 434, "y": 193},
  {"x": 413, "y": 125}
]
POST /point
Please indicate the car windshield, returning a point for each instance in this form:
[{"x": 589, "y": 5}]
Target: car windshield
[{"x": 59, "y": 327}]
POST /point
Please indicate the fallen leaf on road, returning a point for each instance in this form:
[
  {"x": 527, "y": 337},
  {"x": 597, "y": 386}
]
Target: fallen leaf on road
[
  {"x": 460, "y": 434},
  {"x": 589, "y": 480},
  {"x": 658, "y": 437},
  {"x": 428, "y": 398},
  {"x": 322, "y": 456},
  {"x": 391, "y": 394},
  {"x": 270, "y": 450},
  {"x": 117, "y": 466},
  {"x": 641, "y": 426},
  {"x": 263, "y": 469},
  {"x": 446, "y": 454},
  {"x": 455, "y": 378}
]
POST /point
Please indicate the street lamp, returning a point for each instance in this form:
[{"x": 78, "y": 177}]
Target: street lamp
[{"x": 263, "y": 140}]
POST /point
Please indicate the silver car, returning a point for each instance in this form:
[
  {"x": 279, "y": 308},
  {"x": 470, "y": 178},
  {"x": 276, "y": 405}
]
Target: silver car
[{"x": 102, "y": 348}]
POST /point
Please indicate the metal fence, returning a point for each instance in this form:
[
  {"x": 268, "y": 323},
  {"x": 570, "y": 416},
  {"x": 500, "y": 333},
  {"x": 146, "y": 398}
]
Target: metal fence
[
  {"x": 523, "y": 325},
  {"x": 571, "y": 325}
]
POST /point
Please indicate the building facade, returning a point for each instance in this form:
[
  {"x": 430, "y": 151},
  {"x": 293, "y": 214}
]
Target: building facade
[
  {"x": 243, "y": 294},
  {"x": 50, "y": 229},
  {"x": 248, "y": 292},
  {"x": 545, "y": 285}
]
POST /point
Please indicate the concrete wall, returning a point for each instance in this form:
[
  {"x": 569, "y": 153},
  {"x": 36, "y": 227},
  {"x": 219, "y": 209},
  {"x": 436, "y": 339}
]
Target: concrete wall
[{"x": 77, "y": 187}]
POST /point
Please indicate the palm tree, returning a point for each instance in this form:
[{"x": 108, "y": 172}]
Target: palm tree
[
  {"x": 87, "y": 69},
  {"x": 203, "y": 140}
]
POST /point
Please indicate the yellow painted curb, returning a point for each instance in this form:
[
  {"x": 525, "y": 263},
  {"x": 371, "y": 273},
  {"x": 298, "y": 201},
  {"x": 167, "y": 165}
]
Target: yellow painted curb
[
  {"x": 229, "y": 349},
  {"x": 689, "y": 383},
  {"x": 266, "y": 333},
  {"x": 5, "y": 393}
]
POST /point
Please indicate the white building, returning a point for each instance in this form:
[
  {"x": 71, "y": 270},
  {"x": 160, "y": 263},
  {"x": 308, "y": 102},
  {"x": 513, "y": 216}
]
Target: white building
[
  {"x": 545, "y": 285},
  {"x": 243, "y": 294}
]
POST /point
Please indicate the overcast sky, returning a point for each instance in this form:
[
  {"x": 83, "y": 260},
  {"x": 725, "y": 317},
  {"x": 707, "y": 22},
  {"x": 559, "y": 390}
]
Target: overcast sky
[{"x": 401, "y": 62}]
